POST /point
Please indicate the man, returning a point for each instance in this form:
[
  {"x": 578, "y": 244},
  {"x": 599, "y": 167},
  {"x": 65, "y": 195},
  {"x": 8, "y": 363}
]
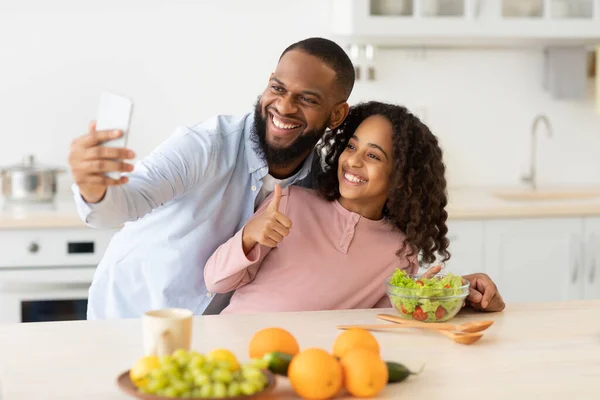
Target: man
[
  {"x": 201, "y": 185},
  {"x": 198, "y": 188}
]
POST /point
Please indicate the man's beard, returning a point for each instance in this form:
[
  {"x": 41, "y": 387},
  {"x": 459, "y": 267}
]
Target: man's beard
[{"x": 281, "y": 156}]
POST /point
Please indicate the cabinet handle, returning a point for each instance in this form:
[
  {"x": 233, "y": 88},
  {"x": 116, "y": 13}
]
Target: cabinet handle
[
  {"x": 33, "y": 247},
  {"x": 575, "y": 245},
  {"x": 593, "y": 264}
]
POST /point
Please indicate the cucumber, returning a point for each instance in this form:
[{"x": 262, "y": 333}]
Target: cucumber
[
  {"x": 278, "y": 362},
  {"x": 398, "y": 372}
]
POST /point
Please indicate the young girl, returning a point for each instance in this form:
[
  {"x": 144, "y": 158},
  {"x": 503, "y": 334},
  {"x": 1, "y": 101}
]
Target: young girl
[{"x": 379, "y": 203}]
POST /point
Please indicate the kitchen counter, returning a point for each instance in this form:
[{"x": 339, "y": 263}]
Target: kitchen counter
[
  {"x": 464, "y": 203},
  {"x": 61, "y": 214},
  {"x": 544, "y": 350},
  {"x": 486, "y": 203}
]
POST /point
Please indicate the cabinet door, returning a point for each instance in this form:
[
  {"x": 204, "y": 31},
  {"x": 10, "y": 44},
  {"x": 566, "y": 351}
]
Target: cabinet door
[
  {"x": 466, "y": 248},
  {"x": 591, "y": 275},
  {"x": 535, "y": 259}
]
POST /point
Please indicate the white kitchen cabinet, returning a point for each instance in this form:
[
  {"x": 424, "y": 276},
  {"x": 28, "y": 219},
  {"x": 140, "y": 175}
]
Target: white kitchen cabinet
[
  {"x": 535, "y": 259},
  {"x": 466, "y": 22},
  {"x": 591, "y": 256},
  {"x": 466, "y": 247}
]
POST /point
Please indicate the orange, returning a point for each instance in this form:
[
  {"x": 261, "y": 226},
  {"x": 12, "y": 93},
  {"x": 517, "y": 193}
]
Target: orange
[
  {"x": 315, "y": 374},
  {"x": 352, "y": 338},
  {"x": 272, "y": 339},
  {"x": 365, "y": 373}
]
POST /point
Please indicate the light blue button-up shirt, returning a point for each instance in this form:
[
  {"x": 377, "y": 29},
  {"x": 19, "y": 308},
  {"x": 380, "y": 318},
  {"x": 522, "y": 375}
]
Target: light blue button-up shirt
[{"x": 190, "y": 195}]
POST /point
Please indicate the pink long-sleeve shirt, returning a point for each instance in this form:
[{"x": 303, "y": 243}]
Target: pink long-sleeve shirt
[{"x": 332, "y": 259}]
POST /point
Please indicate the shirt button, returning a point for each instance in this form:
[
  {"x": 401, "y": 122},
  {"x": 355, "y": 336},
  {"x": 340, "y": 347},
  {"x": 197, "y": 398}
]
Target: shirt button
[
  {"x": 209, "y": 294},
  {"x": 253, "y": 188},
  {"x": 263, "y": 169}
]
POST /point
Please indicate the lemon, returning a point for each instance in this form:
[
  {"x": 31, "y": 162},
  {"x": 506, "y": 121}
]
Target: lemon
[
  {"x": 139, "y": 372},
  {"x": 224, "y": 355}
]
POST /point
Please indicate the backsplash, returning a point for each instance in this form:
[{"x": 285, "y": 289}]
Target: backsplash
[{"x": 185, "y": 61}]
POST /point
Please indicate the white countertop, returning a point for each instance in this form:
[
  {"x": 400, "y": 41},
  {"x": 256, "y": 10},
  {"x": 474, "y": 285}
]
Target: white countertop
[
  {"x": 482, "y": 203},
  {"x": 60, "y": 214},
  {"x": 464, "y": 203},
  {"x": 546, "y": 351}
]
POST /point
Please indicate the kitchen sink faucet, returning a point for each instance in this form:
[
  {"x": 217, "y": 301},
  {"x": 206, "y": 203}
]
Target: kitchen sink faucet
[{"x": 531, "y": 179}]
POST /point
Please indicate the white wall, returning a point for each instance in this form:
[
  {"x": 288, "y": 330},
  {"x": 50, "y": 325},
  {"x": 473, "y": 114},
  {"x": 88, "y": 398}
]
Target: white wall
[{"x": 183, "y": 61}]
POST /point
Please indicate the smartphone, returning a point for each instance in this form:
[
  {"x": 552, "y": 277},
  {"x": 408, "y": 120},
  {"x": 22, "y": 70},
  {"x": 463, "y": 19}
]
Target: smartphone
[{"x": 114, "y": 112}]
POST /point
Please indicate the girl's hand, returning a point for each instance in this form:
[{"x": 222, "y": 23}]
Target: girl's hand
[{"x": 269, "y": 228}]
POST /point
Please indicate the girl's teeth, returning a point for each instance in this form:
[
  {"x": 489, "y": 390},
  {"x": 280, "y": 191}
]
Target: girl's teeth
[
  {"x": 353, "y": 178},
  {"x": 281, "y": 125}
]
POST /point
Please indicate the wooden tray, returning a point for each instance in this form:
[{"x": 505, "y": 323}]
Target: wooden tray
[{"x": 127, "y": 386}]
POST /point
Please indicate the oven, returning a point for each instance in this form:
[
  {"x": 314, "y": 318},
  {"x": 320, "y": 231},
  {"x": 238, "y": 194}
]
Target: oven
[{"x": 45, "y": 274}]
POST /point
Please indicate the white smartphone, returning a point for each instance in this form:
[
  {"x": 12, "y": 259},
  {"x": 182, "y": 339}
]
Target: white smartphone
[{"x": 114, "y": 112}]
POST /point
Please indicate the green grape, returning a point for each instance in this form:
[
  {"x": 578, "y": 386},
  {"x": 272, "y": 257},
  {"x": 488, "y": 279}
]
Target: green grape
[
  {"x": 197, "y": 361},
  {"x": 248, "y": 388},
  {"x": 157, "y": 373},
  {"x": 197, "y": 392},
  {"x": 223, "y": 375},
  {"x": 209, "y": 367},
  {"x": 237, "y": 375},
  {"x": 166, "y": 359},
  {"x": 170, "y": 392},
  {"x": 188, "y": 375},
  {"x": 206, "y": 390},
  {"x": 182, "y": 357},
  {"x": 180, "y": 353},
  {"x": 259, "y": 363},
  {"x": 170, "y": 370},
  {"x": 180, "y": 385},
  {"x": 157, "y": 384},
  {"x": 188, "y": 394},
  {"x": 201, "y": 378},
  {"x": 219, "y": 390},
  {"x": 251, "y": 373},
  {"x": 224, "y": 364},
  {"x": 234, "y": 389}
]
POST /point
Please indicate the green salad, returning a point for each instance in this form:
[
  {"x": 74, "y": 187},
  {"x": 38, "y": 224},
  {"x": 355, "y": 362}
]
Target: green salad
[{"x": 413, "y": 297}]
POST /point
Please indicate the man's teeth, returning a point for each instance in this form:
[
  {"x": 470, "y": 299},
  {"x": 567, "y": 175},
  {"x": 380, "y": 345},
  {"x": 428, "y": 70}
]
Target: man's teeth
[
  {"x": 353, "y": 178},
  {"x": 282, "y": 125}
]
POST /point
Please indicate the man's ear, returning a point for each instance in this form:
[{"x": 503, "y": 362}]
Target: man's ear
[{"x": 338, "y": 115}]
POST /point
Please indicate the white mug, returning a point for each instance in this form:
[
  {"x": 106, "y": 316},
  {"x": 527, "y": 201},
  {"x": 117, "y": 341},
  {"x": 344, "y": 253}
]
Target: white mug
[{"x": 167, "y": 330}]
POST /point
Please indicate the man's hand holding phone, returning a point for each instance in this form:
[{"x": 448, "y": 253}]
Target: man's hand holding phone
[
  {"x": 89, "y": 160},
  {"x": 96, "y": 158}
]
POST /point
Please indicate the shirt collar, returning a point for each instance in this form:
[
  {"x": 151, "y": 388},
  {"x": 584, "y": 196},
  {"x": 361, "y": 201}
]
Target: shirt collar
[{"x": 255, "y": 160}]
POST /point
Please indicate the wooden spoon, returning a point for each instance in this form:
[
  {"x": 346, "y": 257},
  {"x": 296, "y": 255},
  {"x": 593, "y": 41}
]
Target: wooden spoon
[
  {"x": 460, "y": 337},
  {"x": 470, "y": 327}
]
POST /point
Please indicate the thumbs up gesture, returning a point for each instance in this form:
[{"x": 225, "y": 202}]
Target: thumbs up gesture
[{"x": 269, "y": 228}]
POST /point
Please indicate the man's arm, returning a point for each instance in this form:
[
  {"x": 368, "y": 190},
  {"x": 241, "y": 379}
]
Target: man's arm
[{"x": 177, "y": 165}]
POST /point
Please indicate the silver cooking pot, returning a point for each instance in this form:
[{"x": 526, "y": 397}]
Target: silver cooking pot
[{"x": 29, "y": 182}]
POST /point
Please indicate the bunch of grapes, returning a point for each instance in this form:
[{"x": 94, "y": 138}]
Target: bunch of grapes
[{"x": 191, "y": 375}]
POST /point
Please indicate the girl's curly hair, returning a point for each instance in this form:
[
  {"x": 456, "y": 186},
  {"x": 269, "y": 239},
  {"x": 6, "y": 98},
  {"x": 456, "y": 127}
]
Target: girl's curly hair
[{"x": 417, "y": 198}]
